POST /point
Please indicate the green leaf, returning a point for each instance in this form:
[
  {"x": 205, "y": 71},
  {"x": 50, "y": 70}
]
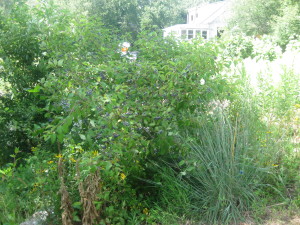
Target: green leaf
[
  {"x": 82, "y": 137},
  {"x": 53, "y": 138},
  {"x": 68, "y": 122},
  {"x": 108, "y": 165},
  {"x": 190, "y": 168},
  {"x": 17, "y": 150},
  {"x": 183, "y": 173},
  {"x": 92, "y": 123},
  {"x": 60, "y": 137},
  {"x": 60, "y": 62},
  {"x": 77, "y": 205},
  {"x": 37, "y": 88},
  {"x": 181, "y": 163},
  {"x": 76, "y": 218}
]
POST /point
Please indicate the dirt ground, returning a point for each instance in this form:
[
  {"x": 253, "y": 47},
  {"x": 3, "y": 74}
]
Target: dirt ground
[
  {"x": 284, "y": 221},
  {"x": 277, "y": 217},
  {"x": 269, "y": 217}
]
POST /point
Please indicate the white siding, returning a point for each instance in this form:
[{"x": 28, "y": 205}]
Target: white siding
[{"x": 208, "y": 19}]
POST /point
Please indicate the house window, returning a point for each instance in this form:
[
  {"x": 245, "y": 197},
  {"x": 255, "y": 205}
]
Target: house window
[
  {"x": 190, "y": 34},
  {"x": 192, "y": 17},
  {"x": 204, "y": 34},
  {"x": 183, "y": 34},
  {"x": 198, "y": 33}
]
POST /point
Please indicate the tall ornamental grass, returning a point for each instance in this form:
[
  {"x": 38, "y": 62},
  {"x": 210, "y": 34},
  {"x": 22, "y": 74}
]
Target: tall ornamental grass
[{"x": 219, "y": 177}]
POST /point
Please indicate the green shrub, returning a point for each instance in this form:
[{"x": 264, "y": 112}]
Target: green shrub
[
  {"x": 236, "y": 46},
  {"x": 28, "y": 188},
  {"x": 287, "y": 26},
  {"x": 84, "y": 121},
  {"x": 89, "y": 97}
]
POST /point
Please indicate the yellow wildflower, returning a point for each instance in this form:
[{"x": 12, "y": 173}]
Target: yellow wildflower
[
  {"x": 95, "y": 153},
  {"x": 79, "y": 149},
  {"x": 33, "y": 190},
  {"x": 146, "y": 211},
  {"x": 50, "y": 162},
  {"x": 123, "y": 176},
  {"x": 73, "y": 160},
  {"x": 58, "y": 156}
]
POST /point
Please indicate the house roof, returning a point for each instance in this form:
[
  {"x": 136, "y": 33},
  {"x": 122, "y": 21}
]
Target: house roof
[
  {"x": 185, "y": 26},
  {"x": 207, "y": 13}
]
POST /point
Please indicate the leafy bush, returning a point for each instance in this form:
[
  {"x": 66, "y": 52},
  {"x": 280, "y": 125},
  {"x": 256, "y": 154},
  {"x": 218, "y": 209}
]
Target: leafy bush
[
  {"x": 265, "y": 49},
  {"x": 237, "y": 46},
  {"x": 19, "y": 51},
  {"x": 91, "y": 105},
  {"x": 95, "y": 126}
]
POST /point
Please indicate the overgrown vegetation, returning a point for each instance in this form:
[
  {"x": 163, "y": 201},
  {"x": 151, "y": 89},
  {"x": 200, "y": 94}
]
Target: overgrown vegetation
[
  {"x": 186, "y": 133},
  {"x": 277, "y": 18}
]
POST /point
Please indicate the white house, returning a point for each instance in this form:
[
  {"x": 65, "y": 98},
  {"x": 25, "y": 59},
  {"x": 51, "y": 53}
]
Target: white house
[{"x": 207, "y": 20}]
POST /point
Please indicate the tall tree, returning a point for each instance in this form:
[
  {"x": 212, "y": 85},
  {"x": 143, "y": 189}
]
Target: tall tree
[
  {"x": 254, "y": 17},
  {"x": 6, "y": 5},
  {"x": 123, "y": 15},
  {"x": 287, "y": 24},
  {"x": 279, "y": 18},
  {"x": 162, "y": 13}
]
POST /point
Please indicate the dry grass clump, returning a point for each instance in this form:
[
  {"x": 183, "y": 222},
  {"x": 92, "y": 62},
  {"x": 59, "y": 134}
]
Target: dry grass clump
[
  {"x": 66, "y": 204},
  {"x": 89, "y": 188}
]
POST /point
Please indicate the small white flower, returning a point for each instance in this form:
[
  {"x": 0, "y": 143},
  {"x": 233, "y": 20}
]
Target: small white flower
[{"x": 202, "y": 81}]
